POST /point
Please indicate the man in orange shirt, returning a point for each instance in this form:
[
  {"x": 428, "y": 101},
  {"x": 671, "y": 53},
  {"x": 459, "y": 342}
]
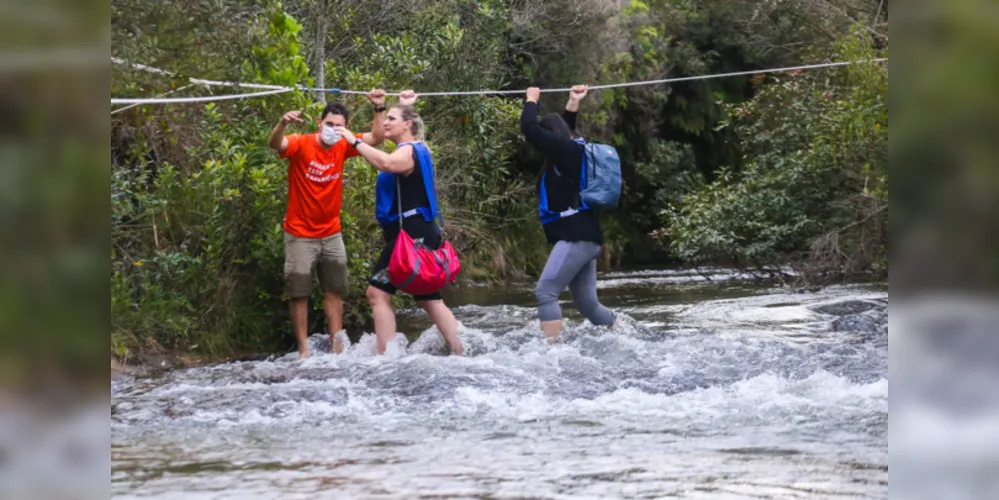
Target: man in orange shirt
[{"x": 312, "y": 221}]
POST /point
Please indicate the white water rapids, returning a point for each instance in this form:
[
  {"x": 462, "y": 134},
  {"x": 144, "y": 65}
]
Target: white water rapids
[{"x": 701, "y": 391}]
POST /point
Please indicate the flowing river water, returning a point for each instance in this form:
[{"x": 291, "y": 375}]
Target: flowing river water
[{"x": 704, "y": 389}]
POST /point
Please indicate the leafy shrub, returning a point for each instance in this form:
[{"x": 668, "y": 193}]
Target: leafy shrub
[{"x": 814, "y": 187}]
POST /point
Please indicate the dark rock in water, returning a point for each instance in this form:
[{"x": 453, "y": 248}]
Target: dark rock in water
[
  {"x": 155, "y": 360},
  {"x": 252, "y": 357},
  {"x": 872, "y": 322},
  {"x": 846, "y": 307},
  {"x": 859, "y": 323}
]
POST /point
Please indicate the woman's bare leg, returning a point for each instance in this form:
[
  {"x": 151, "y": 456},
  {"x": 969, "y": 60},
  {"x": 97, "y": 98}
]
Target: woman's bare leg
[
  {"x": 446, "y": 323},
  {"x": 384, "y": 317}
]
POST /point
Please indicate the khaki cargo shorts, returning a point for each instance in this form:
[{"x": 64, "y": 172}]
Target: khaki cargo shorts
[{"x": 302, "y": 255}]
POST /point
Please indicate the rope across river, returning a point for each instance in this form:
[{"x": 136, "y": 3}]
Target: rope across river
[{"x": 266, "y": 90}]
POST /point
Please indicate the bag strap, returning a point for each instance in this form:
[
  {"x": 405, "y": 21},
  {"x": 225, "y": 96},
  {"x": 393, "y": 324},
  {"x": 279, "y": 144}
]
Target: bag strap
[
  {"x": 398, "y": 188},
  {"x": 398, "y": 198}
]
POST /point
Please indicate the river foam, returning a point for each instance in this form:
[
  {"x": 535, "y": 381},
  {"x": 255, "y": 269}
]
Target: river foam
[{"x": 722, "y": 400}]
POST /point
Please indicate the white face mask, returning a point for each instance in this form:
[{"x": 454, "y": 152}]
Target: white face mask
[{"x": 328, "y": 135}]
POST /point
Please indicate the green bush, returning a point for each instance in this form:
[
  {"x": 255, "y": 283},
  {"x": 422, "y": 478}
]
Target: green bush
[{"x": 813, "y": 191}]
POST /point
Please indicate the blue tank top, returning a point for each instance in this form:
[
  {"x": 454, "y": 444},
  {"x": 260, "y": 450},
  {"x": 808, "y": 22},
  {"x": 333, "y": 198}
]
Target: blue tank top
[{"x": 386, "y": 206}]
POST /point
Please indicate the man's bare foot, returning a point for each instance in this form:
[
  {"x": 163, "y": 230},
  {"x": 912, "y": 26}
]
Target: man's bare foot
[
  {"x": 303, "y": 354},
  {"x": 457, "y": 348}
]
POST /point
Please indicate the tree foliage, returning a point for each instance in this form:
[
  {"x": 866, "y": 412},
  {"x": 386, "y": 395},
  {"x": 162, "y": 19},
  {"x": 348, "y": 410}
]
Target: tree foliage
[{"x": 814, "y": 188}]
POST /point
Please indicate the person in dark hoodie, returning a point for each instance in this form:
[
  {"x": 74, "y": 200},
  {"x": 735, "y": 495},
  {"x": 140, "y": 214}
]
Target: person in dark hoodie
[
  {"x": 570, "y": 226},
  {"x": 408, "y": 171}
]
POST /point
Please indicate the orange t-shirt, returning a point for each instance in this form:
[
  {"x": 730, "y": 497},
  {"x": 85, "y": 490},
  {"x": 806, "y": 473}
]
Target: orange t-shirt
[{"x": 315, "y": 185}]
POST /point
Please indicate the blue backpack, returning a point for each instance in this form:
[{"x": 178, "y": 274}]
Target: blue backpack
[
  {"x": 601, "y": 176},
  {"x": 599, "y": 183}
]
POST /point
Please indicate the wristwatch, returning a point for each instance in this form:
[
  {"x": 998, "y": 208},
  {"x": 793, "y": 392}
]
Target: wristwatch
[
  {"x": 357, "y": 141},
  {"x": 379, "y": 109}
]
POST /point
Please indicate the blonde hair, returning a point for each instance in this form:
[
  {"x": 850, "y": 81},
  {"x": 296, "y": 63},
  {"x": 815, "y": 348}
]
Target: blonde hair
[{"x": 410, "y": 114}]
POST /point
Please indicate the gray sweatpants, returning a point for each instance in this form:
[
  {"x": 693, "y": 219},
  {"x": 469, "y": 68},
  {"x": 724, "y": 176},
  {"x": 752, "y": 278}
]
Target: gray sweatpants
[{"x": 572, "y": 264}]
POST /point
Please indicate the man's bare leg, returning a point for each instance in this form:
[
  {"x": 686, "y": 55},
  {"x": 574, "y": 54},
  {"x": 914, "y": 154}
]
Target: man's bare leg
[
  {"x": 384, "y": 317},
  {"x": 333, "y": 307},
  {"x": 446, "y": 323},
  {"x": 299, "y": 311}
]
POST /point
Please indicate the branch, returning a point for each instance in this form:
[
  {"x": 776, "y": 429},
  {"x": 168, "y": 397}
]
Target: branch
[{"x": 865, "y": 219}]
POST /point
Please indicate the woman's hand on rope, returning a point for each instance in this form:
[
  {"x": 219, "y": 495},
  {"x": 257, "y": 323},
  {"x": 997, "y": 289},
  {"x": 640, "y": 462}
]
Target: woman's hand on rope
[
  {"x": 533, "y": 94},
  {"x": 576, "y": 94},
  {"x": 407, "y": 97},
  {"x": 377, "y": 97}
]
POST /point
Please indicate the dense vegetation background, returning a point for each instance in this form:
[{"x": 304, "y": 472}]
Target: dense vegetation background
[{"x": 764, "y": 173}]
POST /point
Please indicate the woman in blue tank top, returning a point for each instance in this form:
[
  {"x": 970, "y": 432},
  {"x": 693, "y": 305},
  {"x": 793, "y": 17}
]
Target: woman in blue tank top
[{"x": 412, "y": 167}]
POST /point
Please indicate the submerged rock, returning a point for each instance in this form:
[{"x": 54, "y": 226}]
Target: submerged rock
[
  {"x": 870, "y": 321},
  {"x": 846, "y": 307},
  {"x": 856, "y": 323}
]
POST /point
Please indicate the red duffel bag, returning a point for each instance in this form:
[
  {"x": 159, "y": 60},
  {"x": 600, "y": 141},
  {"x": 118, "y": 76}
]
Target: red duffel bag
[
  {"x": 414, "y": 268},
  {"x": 418, "y": 270}
]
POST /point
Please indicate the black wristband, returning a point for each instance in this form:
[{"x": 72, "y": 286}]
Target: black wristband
[
  {"x": 357, "y": 141},
  {"x": 379, "y": 109}
]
